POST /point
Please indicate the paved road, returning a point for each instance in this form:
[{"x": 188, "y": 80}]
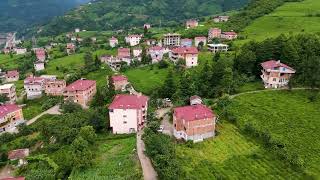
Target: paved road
[
  {"x": 54, "y": 110},
  {"x": 148, "y": 171}
]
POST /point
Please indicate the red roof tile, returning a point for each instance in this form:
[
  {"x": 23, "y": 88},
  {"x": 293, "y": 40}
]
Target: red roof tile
[
  {"x": 155, "y": 48},
  {"x": 200, "y": 38},
  {"x": 12, "y": 73},
  {"x": 8, "y": 108},
  {"x": 80, "y": 85},
  {"x": 18, "y": 154},
  {"x": 185, "y": 50},
  {"x": 273, "y": 64},
  {"x": 119, "y": 78},
  {"x": 126, "y": 101},
  {"x": 195, "y": 112}
]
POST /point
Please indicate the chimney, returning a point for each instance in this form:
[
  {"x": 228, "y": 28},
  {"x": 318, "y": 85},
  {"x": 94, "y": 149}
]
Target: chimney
[{"x": 278, "y": 62}]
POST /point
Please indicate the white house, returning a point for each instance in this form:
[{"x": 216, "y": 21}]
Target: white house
[
  {"x": 218, "y": 47},
  {"x": 189, "y": 54},
  {"x": 128, "y": 113},
  {"x": 20, "y": 51},
  {"x": 113, "y": 42},
  {"x": 34, "y": 87},
  {"x": 133, "y": 39},
  {"x": 39, "y": 66}
]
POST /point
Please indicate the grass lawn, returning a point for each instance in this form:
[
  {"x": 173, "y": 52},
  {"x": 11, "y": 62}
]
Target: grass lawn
[
  {"x": 145, "y": 79},
  {"x": 251, "y": 86},
  {"x": 231, "y": 155},
  {"x": 116, "y": 158},
  {"x": 72, "y": 62},
  {"x": 34, "y": 107},
  {"x": 289, "y": 118},
  {"x": 291, "y": 18},
  {"x": 100, "y": 75},
  {"x": 8, "y": 62}
]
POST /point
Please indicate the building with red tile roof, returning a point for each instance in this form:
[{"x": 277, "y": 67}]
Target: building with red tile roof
[
  {"x": 128, "y": 113},
  {"x": 119, "y": 82},
  {"x": 40, "y": 54},
  {"x": 123, "y": 52},
  {"x": 202, "y": 39},
  {"x": 34, "y": 86},
  {"x": 214, "y": 33},
  {"x": 10, "y": 116},
  {"x": 12, "y": 76},
  {"x": 71, "y": 48},
  {"x": 156, "y": 53},
  {"x": 20, "y": 155},
  {"x": 191, "y": 23},
  {"x": 133, "y": 39},
  {"x": 54, "y": 87},
  {"x": 189, "y": 54},
  {"x": 81, "y": 92},
  {"x": 276, "y": 74},
  {"x": 195, "y": 122},
  {"x": 229, "y": 35},
  {"x": 9, "y": 90}
]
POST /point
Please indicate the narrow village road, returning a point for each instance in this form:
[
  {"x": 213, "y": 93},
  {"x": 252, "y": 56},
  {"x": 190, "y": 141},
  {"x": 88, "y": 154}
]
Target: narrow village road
[
  {"x": 148, "y": 171},
  {"x": 54, "y": 110},
  {"x": 167, "y": 126}
]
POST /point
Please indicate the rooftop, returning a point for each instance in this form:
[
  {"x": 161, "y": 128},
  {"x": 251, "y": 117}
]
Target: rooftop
[
  {"x": 119, "y": 78},
  {"x": 194, "y": 112},
  {"x": 18, "y": 154},
  {"x": 274, "y": 64},
  {"x": 126, "y": 101},
  {"x": 6, "y": 86},
  {"x": 8, "y": 108},
  {"x": 80, "y": 85},
  {"x": 185, "y": 50}
]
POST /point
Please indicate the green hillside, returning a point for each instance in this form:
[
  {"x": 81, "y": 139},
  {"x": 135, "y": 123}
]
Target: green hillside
[
  {"x": 286, "y": 122},
  {"x": 290, "y": 18},
  {"x": 123, "y": 14}
]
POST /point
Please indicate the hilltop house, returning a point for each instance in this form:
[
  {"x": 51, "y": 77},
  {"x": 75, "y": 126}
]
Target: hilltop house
[
  {"x": 151, "y": 42},
  {"x": 137, "y": 52},
  {"x": 119, "y": 82},
  {"x": 10, "y": 116},
  {"x": 147, "y": 26},
  {"x": 229, "y": 35},
  {"x": 71, "y": 48},
  {"x": 198, "y": 40},
  {"x": 54, "y": 87},
  {"x": 156, "y": 53},
  {"x": 189, "y": 54},
  {"x": 276, "y": 74},
  {"x": 40, "y": 54},
  {"x": 128, "y": 113},
  {"x": 171, "y": 39},
  {"x": 9, "y": 90},
  {"x": 133, "y": 39},
  {"x": 217, "y": 47},
  {"x": 80, "y": 92},
  {"x": 186, "y": 42},
  {"x": 195, "y": 123},
  {"x": 12, "y": 76},
  {"x": 218, "y": 19},
  {"x": 38, "y": 65},
  {"x": 214, "y": 33},
  {"x": 112, "y": 62},
  {"x": 113, "y": 42},
  {"x": 20, "y": 155},
  {"x": 124, "y": 55},
  {"x": 191, "y": 23}
]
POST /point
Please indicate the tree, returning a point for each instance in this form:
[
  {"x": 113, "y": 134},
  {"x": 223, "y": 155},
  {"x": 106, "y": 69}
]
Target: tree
[
  {"x": 311, "y": 72},
  {"x": 169, "y": 87},
  {"x": 88, "y": 134},
  {"x": 3, "y": 98},
  {"x": 227, "y": 80},
  {"x": 186, "y": 87},
  {"x": 245, "y": 62},
  {"x": 81, "y": 154},
  {"x": 145, "y": 58},
  {"x": 89, "y": 63},
  {"x": 70, "y": 107},
  {"x": 200, "y": 45}
]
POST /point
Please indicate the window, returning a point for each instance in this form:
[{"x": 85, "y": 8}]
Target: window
[
  {"x": 274, "y": 79},
  {"x": 124, "y": 122},
  {"x": 124, "y": 116},
  {"x": 111, "y": 110}
]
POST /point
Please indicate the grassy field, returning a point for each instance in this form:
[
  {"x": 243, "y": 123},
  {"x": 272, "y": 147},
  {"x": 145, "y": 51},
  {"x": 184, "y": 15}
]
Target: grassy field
[
  {"x": 291, "y": 18},
  {"x": 231, "y": 155},
  {"x": 100, "y": 76},
  {"x": 291, "y": 121},
  {"x": 145, "y": 79},
  {"x": 9, "y": 62},
  {"x": 72, "y": 62},
  {"x": 116, "y": 159}
]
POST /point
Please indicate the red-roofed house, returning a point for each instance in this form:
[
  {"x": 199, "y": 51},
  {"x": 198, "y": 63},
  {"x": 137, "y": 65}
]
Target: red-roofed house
[
  {"x": 202, "y": 39},
  {"x": 156, "y": 53},
  {"x": 54, "y": 87},
  {"x": 133, "y": 39},
  {"x": 123, "y": 52},
  {"x": 19, "y": 154},
  {"x": 81, "y": 92},
  {"x": 41, "y": 54},
  {"x": 71, "y": 48},
  {"x": 229, "y": 35},
  {"x": 113, "y": 42},
  {"x": 10, "y": 116},
  {"x": 189, "y": 54},
  {"x": 119, "y": 82},
  {"x": 276, "y": 74},
  {"x": 12, "y": 76},
  {"x": 220, "y": 19},
  {"x": 196, "y": 123},
  {"x": 214, "y": 33},
  {"x": 186, "y": 42},
  {"x": 128, "y": 113},
  {"x": 191, "y": 23}
]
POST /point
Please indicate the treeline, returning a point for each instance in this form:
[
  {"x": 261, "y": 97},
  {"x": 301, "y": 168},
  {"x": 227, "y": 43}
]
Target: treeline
[{"x": 255, "y": 9}]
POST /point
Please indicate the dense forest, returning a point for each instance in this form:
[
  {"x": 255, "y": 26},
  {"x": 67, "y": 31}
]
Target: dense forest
[
  {"x": 119, "y": 14},
  {"x": 19, "y": 14}
]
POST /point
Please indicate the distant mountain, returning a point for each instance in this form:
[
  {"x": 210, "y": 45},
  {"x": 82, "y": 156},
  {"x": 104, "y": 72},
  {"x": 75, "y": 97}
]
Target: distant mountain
[
  {"x": 20, "y": 14},
  {"x": 118, "y": 14}
]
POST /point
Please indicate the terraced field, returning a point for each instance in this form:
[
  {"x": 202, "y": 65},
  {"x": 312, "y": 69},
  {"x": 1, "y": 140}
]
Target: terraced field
[
  {"x": 288, "y": 121},
  {"x": 291, "y": 18},
  {"x": 231, "y": 155}
]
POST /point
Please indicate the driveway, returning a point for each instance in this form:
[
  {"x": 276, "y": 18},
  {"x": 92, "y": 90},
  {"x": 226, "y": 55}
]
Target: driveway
[
  {"x": 148, "y": 171},
  {"x": 167, "y": 126},
  {"x": 54, "y": 110}
]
